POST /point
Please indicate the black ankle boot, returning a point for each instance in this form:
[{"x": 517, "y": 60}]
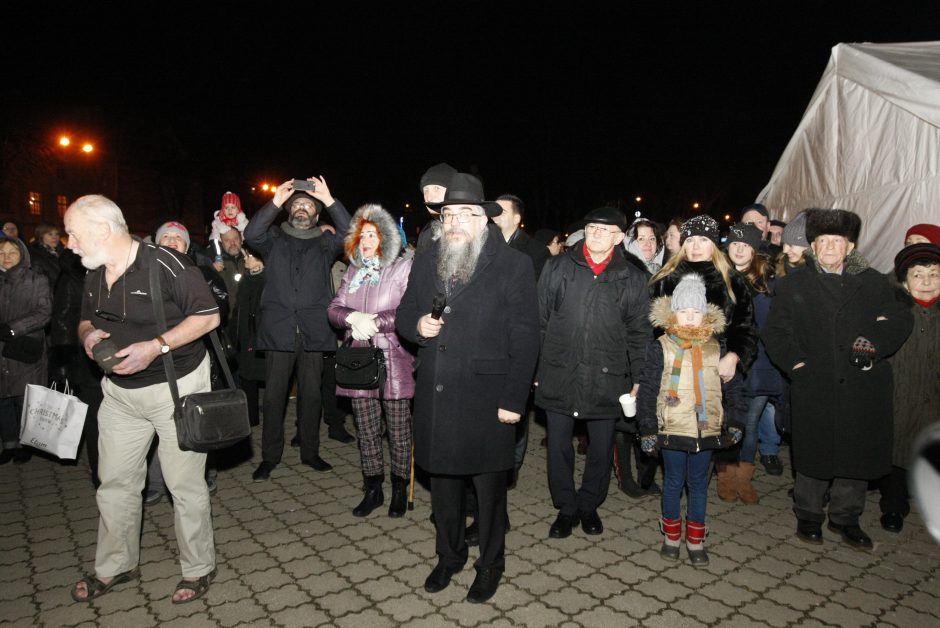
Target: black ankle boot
[
  {"x": 399, "y": 503},
  {"x": 373, "y": 497}
]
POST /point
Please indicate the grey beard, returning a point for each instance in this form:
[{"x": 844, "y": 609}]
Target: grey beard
[
  {"x": 300, "y": 222},
  {"x": 458, "y": 260}
]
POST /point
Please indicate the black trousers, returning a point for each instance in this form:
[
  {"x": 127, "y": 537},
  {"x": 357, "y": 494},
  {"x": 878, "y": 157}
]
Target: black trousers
[
  {"x": 597, "y": 466},
  {"x": 279, "y": 365},
  {"x": 448, "y": 502},
  {"x": 895, "y": 496},
  {"x": 846, "y": 499}
]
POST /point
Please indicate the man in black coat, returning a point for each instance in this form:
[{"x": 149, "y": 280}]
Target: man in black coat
[
  {"x": 594, "y": 304},
  {"x": 294, "y": 330},
  {"x": 471, "y": 308}
]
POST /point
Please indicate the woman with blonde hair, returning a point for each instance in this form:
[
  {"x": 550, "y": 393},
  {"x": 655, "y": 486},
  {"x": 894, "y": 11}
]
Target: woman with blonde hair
[{"x": 727, "y": 289}]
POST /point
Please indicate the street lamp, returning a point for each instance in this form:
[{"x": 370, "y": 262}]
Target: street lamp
[
  {"x": 694, "y": 205},
  {"x": 87, "y": 147},
  {"x": 64, "y": 140}
]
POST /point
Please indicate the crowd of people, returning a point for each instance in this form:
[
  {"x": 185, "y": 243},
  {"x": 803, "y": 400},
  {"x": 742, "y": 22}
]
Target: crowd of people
[{"x": 724, "y": 344}]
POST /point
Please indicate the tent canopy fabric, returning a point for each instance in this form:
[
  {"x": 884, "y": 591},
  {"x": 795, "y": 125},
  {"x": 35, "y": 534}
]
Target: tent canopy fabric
[{"x": 868, "y": 142}]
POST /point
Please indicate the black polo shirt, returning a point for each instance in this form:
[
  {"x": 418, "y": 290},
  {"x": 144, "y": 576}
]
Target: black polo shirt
[{"x": 185, "y": 293}]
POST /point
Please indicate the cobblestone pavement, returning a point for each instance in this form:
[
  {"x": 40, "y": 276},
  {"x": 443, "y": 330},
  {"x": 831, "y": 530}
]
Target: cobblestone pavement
[{"x": 290, "y": 553}]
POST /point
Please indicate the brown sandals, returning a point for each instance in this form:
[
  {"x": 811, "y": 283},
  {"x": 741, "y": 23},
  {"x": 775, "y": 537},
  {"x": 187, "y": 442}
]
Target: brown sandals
[
  {"x": 96, "y": 588},
  {"x": 198, "y": 587}
]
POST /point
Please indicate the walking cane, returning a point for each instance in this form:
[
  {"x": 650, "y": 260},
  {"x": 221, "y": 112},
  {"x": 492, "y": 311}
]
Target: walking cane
[{"x": 411, "y": 488}]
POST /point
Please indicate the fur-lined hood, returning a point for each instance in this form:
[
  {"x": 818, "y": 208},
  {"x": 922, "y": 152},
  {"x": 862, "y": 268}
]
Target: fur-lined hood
[
  {"x": 388, "y": 231},
  {"x": 662, "y": 316}
]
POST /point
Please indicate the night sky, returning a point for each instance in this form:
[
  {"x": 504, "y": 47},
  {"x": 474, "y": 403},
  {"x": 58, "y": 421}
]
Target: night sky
[{"x": 568, "y": 108}]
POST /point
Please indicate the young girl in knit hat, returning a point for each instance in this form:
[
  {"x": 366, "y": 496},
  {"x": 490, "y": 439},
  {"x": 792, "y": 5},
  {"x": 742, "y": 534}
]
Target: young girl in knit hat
[
  {"x": 685, "y": 410},
  {"x": 230, "y": 215}
]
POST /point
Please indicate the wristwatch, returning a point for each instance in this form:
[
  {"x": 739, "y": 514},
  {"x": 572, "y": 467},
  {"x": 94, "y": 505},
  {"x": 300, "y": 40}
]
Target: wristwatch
[{"x": 164, "y": 345}]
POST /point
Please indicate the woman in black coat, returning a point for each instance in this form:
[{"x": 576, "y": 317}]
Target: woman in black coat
[
  {"x": 830, "y": 330},
  {"x": 727, "y": 289}
]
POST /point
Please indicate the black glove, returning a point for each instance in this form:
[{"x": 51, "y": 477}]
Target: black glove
[
  {"x": 863, "y": 352},
  {"x": 5, "y": 331}
]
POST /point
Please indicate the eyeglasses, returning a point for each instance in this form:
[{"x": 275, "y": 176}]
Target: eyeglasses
[
  {"x": 461, "y": 217},
  {"x": 601, "y": 230},
  {"x": 110, "y": 316}
]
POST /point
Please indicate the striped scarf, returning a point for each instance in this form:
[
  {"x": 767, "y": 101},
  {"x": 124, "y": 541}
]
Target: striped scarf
[{"x": 698, "y": 377}]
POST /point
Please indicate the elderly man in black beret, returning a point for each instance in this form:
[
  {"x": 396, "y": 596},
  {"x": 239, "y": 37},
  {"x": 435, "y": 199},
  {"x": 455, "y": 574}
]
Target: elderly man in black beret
[{"x": 593, "y": 304}]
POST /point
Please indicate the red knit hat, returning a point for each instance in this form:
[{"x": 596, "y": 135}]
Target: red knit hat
[
  {"x": 931, "y": 232},
  {"x": 231, "y": 197}
]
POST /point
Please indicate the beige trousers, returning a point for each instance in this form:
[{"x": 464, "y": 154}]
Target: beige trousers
[{"x": 127, "y": 421}]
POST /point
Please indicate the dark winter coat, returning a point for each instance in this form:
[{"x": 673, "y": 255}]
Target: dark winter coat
[
  {"x": 535, "y": 250},
  {"x": 245, "y": 322},
  {"x": 594, "y": 333},
  {"x": 26, "y": 307},
  {"x": 482, "y": 360},
  {"x": 381, "y": 299},
  {"x": 841, "y": 414},
  {"x": 763, "y": 378},
  {"x": 45, "y": 261},
  {"x": 741, "y": 334},
  {"x": 916, "y": 368},
  {"x": 67, "y": 357},
  {"x": 298, "y": 288}
]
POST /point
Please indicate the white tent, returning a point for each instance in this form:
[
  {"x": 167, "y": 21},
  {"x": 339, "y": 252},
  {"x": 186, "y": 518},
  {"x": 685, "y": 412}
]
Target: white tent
[{"x": 869, "y": 142}]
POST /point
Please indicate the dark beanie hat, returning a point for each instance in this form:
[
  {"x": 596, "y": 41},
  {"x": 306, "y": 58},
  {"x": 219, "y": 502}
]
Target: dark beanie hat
[
  {"x": 545, "y": 236},
  {"x": 745, "y": 232},
  {"x": 438, "y": 174},
  {"x": 840, "y": 222},
  {"x": 794, "y": 233},
  {"x": 922, "y": 254},
  {"x": 701, "y": 225},
  {"x": 757, "y": 207},
  {"x": 607, "y": 216}
]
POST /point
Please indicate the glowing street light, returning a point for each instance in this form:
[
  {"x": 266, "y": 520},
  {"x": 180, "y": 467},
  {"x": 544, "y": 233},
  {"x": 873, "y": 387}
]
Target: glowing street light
[
  {"x": 639, "y": 199},
  {"x": 64, "y": 140},
  {"x": 727, "y": 217},
  {"x": 694, "y": 205},
  {"x": 264, "y": 186},
  {"x": 87, "y": 147}
]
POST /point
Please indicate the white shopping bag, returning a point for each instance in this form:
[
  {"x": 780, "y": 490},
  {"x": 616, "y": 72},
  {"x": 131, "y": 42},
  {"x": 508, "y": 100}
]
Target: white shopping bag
[{"x": 52, "y": 420}]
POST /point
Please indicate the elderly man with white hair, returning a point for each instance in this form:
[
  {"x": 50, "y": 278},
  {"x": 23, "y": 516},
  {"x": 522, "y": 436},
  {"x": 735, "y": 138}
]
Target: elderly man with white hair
[{"x": 117, "y": 309}]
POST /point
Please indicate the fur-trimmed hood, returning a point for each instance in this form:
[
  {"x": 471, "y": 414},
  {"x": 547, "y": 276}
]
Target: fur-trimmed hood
[
  {"x": 388, "y": 231},
  {"x": 662, "y": 316}
]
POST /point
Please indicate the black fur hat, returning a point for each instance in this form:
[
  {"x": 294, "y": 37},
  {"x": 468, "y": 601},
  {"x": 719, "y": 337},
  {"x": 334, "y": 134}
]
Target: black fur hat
[{"x": 839, "y": 222}]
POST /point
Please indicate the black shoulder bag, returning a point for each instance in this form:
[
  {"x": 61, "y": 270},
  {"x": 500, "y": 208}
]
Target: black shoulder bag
[
  {"x": 361, "y": 368},
  {"x": 205, "y": 421}
]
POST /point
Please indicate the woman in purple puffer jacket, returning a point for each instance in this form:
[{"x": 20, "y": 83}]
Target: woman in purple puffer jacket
[{"x": 365, "y": 308}]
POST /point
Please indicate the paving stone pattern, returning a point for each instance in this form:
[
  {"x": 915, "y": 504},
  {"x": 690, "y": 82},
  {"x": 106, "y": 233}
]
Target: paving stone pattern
[{"x": 290, "y": 553}]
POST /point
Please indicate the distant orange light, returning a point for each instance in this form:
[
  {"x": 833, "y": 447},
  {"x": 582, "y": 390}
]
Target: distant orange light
[
  {"x": 64, "y": 141},
  {"x": 694, "y": 205},
  {"x": 638, "y": 199},
  {"x": 264, "y": 186},
  {"x": 87, "y": 148},
  {"x": 728, "y": 217}
]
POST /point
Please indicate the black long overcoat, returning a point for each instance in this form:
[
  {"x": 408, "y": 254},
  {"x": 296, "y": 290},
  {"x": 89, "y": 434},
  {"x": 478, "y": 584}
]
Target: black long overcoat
[
  {"x": 841, "y": 414},
  {"x": 482, "y": 360}
]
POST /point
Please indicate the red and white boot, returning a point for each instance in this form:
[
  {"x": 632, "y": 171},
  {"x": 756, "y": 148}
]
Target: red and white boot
[
  {"x": 695, "y": 543},
  {"x": 672, "y": 533}
]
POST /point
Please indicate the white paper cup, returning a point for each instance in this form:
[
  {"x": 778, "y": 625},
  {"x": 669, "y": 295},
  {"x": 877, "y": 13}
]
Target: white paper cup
[{"x": 628, "y": 403}]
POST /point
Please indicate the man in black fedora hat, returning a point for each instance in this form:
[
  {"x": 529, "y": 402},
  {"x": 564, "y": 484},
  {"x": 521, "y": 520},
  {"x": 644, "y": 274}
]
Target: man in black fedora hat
[{"x": 471, "y": 308}]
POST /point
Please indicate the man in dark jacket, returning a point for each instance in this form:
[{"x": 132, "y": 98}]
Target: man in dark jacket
[
  {"x": 830, "y": 330},
  {"x": 433, "y": 186},
  {"x": 594, "y": 303},
  {"x": 294, "y": 329},
  {"x": 476, "y": 357}
]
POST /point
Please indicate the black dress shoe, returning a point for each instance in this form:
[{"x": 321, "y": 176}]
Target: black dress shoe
[
  {"x": 318, "y": 463},
  {"x": 472, "y": 535},
  {"x": 591, "y": 523},
  {"x": 484, "y": 585},
  {"x": 853, "y": 536},
  {"x": 340, "y": 434},
  {"x": 439, "y": 578},
  {"x": 809, "y": 531},
  {"x": 562, "y": 527},
  {"x": 263, "y": 472},
  {"x": 772, "y": 465},
  {"x": 6, "y": 456},
  {"x": 892, "y": 521}
]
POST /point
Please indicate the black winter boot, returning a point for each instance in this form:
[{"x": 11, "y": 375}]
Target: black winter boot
[
  {"x": 373, "y": 498},
  {"x": 399, "y": 503}
]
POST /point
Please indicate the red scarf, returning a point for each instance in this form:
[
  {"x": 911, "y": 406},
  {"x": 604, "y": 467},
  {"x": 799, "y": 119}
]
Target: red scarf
[
  {"x": 597, "y": 267},
  {"x": 927, "y": 304},
  {"x": 231, "y": 222}
]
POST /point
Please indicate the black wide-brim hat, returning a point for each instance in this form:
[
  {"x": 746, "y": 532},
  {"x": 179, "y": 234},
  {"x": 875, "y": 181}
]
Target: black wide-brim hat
[
  {"x": 920, "y": 254},
  {"x": 606, "y": 216},
  {"x": 466, "y": 189}
]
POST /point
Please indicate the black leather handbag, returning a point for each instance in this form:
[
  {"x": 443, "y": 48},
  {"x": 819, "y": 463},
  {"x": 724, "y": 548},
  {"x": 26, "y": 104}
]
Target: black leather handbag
[
  {"x": 360, "y": 368},
  {"x": 205, "y": 421}
]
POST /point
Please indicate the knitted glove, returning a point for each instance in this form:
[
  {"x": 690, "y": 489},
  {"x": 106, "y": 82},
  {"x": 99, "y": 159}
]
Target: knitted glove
[
  {"x": 736, "y": 435},
  {"x": 363, "y": 325},
  {"x": 863, "y": 352},
  {"x": 648, "y": 443}
]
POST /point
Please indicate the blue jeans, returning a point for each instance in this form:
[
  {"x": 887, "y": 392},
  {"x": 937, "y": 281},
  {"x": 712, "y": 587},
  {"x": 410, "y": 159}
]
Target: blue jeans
[
  {"x": 681, "y": 468},
  {"x": 759, "y": 426}
]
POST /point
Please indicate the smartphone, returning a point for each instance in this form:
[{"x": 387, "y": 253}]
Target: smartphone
[{"x": 304, "y": 185}]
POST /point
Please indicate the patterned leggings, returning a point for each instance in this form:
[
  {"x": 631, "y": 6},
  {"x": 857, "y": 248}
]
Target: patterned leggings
[{"x": 368, "y": 413}]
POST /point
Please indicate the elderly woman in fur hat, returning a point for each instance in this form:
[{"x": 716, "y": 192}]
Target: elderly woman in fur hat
[
  {"x": 830, "y": 330},
  {"x": 365, "y": 308},
  {"x": 916, "y": 374}
]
